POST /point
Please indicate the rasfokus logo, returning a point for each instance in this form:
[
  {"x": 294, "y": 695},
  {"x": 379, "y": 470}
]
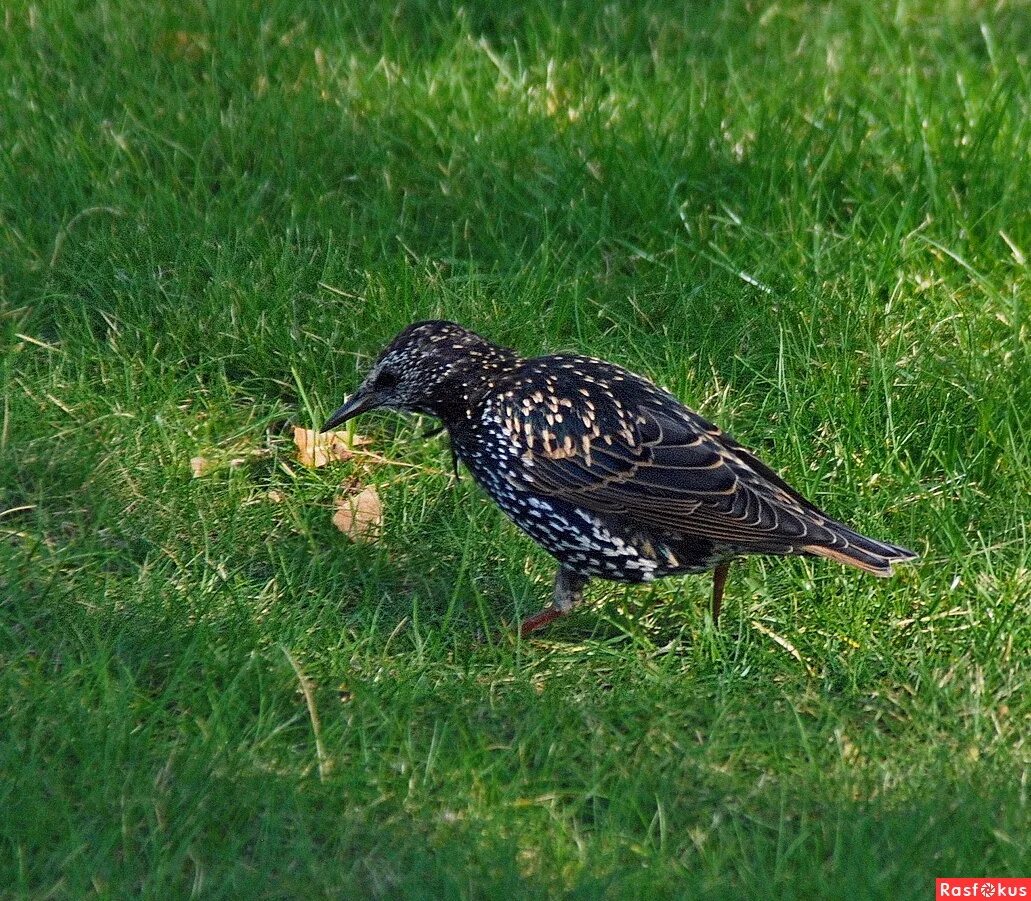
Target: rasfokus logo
[{"x": 983, "y": 887}]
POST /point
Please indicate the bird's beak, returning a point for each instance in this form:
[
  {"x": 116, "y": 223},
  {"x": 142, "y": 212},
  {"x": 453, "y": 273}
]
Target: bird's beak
[{"x": 357, "y": 403}]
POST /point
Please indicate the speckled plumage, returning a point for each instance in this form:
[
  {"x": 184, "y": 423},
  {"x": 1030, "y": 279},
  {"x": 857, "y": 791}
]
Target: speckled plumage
[{"x": 612, "y": 475}]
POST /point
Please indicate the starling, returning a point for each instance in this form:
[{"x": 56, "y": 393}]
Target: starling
[{"x": 610, "y": 474}]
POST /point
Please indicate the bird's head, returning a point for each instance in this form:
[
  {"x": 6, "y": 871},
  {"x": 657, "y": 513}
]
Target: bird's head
[{"x": 430, "y": 367}]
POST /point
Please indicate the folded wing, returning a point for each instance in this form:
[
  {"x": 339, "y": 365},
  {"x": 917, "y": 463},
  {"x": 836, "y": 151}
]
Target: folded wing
[{"x": 635, "y": 451}]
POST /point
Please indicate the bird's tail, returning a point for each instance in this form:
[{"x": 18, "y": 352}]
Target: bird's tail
[{"x": 868, "y": 554}]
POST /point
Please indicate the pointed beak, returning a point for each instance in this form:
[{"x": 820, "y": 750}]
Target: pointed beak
[{"x": 357, "y": 403}]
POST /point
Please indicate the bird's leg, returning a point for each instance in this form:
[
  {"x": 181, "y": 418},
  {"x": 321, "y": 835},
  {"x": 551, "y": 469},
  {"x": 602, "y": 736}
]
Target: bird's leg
[
  {"x": 454, "y": 462},
  {"x": 719, "y": 582},
  {"x": 569, "y": 589}
]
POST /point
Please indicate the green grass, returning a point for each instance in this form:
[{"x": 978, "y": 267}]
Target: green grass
[{"x": 808, "y": 220}]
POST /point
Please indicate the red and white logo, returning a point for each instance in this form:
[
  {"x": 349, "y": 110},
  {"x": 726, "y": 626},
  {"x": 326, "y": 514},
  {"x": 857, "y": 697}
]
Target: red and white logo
[{"x": 993, "y": 888}]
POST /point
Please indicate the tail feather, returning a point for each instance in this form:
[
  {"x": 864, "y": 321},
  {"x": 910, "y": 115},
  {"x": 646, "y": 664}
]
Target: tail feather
[{"x": 868, "y": 554}]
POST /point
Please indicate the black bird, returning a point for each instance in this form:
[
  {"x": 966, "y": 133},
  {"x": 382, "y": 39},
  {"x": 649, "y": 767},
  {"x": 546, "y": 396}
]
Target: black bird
[{"x": 612, "y": 475}]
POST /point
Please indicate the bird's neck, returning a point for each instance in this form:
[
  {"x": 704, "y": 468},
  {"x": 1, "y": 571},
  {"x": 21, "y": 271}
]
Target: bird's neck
[{"x": 456, "y": 398}]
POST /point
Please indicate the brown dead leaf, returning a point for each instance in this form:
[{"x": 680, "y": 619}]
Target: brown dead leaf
[
  {"x": 199, "y": 466},
  {"x": 315, "y": 449},
  {"x": 187, "y": 45},
  {"x": 360, "y": 516}
]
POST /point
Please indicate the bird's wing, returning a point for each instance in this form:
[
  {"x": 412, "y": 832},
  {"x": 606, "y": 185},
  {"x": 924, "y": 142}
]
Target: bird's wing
[{"x": 655, "y": 462}]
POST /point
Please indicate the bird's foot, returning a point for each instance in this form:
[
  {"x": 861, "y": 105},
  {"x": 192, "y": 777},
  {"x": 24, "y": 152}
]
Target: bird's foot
[
  {"x": 719, "y": 583},
  {"x": 539, "y": 620}
]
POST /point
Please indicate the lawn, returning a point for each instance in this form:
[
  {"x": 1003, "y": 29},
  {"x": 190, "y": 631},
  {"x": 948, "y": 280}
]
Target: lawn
[{"x": 810, "y": 221}]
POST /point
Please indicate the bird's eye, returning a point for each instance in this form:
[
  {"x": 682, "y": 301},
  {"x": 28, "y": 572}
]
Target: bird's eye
[{"x": 385, "y": 380}]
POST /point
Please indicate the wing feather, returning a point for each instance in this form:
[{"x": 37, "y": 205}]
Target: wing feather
[{"x": 641, "y": 454}]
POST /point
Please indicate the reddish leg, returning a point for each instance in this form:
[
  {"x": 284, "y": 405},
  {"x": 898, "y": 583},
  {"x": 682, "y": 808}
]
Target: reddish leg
[
  {"x": 719, "y": 582},
  {"x": 569, "y": 588},
  {"x": 539, "y": 620}
]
